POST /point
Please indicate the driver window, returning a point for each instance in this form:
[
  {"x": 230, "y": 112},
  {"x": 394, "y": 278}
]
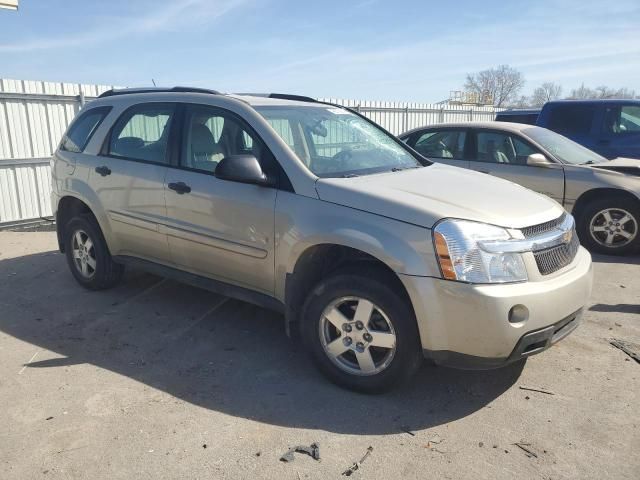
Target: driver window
[
  {"x": 211, "y": 135},
  {"x": 442, "y": 144},
  {"x": 495, "y": 147}
]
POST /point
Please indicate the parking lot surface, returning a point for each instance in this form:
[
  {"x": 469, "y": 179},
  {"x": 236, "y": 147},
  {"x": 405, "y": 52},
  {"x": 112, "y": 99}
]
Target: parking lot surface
[{"x": 155, "y": 379}]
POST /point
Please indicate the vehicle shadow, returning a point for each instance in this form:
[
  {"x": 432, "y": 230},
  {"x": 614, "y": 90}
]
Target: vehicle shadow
[
  {"x": 628, "y": 259},
  {"x": 217, "y": 353},
  {"x": 619, "y": 308}
]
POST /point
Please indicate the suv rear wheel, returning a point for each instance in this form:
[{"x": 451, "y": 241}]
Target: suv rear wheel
[
  {"x": 361, "y": 333},
  {"x": 611, "y": 226},
  {"x": 88, "y": 256}
]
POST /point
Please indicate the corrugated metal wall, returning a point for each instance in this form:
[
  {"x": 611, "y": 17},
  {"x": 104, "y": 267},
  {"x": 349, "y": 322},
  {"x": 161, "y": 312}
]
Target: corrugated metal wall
[
  {"x": 33, "y": 117},
  {"x": 35, "y": 114}
]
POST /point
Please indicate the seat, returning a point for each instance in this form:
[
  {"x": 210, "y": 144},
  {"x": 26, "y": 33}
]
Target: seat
[
  {"x": 204, "y": 151},
  {"x": 495, "y": 155}
]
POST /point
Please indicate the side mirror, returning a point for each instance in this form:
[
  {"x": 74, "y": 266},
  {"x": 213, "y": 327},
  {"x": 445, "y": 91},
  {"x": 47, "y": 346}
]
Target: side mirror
[
  {"x": 538, "y": 160},
  {"x": 242, "y": 169}
]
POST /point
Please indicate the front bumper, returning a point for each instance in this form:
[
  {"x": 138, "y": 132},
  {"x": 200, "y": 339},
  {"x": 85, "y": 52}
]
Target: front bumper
[{"x": 467, "y": 326}]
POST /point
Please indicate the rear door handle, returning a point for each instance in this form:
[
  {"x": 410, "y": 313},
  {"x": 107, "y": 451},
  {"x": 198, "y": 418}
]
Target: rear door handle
[
  {"x": 103, "y": 170},
  {"x": 180, "y": 187}
]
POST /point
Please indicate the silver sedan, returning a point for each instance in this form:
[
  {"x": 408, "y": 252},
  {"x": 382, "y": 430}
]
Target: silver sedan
[{"x": 603, "y": 195}]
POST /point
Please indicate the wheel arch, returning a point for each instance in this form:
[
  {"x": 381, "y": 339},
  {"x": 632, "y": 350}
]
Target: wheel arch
[
  {"x": 590, "y": 195},
  {"x": 70, "y": 206},
  {"x": 323, "y": 259}
]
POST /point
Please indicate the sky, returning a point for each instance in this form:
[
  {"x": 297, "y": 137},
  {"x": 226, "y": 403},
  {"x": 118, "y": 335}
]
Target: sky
[{"x": 402, "y": 50}]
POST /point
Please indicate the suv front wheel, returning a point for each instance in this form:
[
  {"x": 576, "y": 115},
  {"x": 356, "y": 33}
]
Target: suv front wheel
[
  {"x": 361, "y": 333},
  {"x": 88, "y": 256}
]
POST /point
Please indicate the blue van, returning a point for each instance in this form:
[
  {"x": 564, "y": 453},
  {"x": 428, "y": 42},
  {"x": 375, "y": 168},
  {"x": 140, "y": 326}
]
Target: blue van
[{"x": 608, "y": 127}]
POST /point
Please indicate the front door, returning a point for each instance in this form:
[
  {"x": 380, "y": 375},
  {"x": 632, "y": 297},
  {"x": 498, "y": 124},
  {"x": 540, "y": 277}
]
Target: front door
[
  {"x": 505, "y": 155},
  {"x": 217, "y": 228},
  {"x": 129, "y": 181}
]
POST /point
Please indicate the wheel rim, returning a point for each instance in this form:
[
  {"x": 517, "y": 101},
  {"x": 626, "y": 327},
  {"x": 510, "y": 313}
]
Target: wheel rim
[
  {"x": 357, "y": 336},
  {"x": 84, "y": 256},
  {"x": 613, "y": 227}
]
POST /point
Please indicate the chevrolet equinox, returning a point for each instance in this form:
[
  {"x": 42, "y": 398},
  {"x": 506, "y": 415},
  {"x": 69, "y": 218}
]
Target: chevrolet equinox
[{"x": 376, "y": 256}]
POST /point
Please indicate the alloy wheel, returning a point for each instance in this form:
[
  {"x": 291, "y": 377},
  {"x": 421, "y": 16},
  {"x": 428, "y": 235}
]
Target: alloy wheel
[
  {"x": 84, "y": 255},
  {"x": 357, "y": 336},
  {"x": 613, "y": 227}
]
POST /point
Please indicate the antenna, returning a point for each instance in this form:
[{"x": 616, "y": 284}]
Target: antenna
[{"x": 154, "y": 82}]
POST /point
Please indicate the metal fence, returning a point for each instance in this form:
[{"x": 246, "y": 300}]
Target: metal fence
[{"x": 35, "y": 114}]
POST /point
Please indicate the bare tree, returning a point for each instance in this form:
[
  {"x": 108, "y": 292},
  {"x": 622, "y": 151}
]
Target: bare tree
[
  {"x": 522, "y": 102},
  {"x": 500, "y": 85},
  {"x": 546, "y": 92},
  {"x": 602, "y": 91}
]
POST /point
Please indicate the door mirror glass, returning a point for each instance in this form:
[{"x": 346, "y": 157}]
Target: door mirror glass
[
  {"x": 538, "y": 160},
  {"x": 242, "y": 169}
]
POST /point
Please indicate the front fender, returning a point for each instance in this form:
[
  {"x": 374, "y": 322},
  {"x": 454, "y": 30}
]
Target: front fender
[{"x": 302, "y": 223}]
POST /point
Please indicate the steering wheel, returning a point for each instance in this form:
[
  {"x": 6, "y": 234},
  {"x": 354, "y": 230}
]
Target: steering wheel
[{"x": 343, "y": 157}]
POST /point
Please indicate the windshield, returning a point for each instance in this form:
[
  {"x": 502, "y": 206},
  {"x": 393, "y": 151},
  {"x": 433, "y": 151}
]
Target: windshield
[
  {"x": 333, "y": 142},
  {"x": 562, "y": 148}
]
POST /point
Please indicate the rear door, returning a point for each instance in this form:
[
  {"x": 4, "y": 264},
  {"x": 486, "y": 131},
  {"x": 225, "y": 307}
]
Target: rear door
[
  {"x": 620, "y": 132},
  {"x": 128, "y": 177},
  {"x": 504, "y": 155},
  {"x": 442, "y": 145},
  {"x": 217, "y": 228}
]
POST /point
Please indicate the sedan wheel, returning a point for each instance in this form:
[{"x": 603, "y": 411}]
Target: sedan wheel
[{"x": 613, "y": 228}]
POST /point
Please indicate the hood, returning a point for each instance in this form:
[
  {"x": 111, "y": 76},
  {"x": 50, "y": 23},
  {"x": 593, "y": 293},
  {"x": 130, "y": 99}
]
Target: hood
[
  {"x": 425, "y": 195},
  {"x": 628, "y": 166}
]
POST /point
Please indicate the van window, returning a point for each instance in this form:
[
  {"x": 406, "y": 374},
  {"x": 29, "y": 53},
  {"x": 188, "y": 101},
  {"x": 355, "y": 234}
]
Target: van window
[
  {"x": 142, "y": 133},
  {"x": 80, "y": 132},
  {"x": 571, "y": 119},
  {"x": 624, "y": 119}
]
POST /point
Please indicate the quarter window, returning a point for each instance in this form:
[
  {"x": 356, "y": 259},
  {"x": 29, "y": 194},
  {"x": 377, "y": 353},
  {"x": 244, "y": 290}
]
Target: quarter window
[
  {"x": 442, "y": 144},
  {"x": 142, "y": 133},
  {"x": 80, "y": 132}
]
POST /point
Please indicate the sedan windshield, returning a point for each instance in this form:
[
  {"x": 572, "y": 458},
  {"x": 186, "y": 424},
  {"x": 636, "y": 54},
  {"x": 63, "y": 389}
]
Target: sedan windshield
[
  {"x": 333, "y": 142},
  {"x": 565, "y": 150}
]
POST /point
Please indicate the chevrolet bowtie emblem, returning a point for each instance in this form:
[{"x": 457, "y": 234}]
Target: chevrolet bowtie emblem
[{"x": 566, "y": 238}]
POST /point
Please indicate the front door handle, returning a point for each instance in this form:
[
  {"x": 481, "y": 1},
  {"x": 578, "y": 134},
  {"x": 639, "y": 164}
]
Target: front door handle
[
  {"x": 180, "y": 187},
  {"x": 103, "y": 170}
]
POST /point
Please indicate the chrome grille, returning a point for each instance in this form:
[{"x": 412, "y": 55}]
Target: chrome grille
[
  {"x": 541, "y": 228},
  {"x": 553, "y": 259}
]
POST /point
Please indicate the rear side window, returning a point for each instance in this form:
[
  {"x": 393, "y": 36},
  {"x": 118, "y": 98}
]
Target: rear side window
[
  {"x": 442, "y": 144},
  {"x": 81, "y": 130},
  {"x": 572, "y": 119},
  {"x": 142, "y": 133}
]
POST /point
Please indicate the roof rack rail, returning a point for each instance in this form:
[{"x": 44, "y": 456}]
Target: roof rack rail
[
  {"x": 280, "y": 96},
  {"x": 130, "y": 91},
  {"x": 288, "y": 96}
]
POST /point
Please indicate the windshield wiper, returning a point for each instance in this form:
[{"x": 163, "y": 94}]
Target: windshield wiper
[
  {"x": 349, "y": 175},
  {"x": 588, "y": 162}
]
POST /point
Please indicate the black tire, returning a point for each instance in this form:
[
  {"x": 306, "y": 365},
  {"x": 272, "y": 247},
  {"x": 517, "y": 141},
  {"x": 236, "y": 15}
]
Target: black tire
[
  {"x": 408, "y": 356},
  {"x": 617, "y": 204},
  {"x": 107, "y": 273}
]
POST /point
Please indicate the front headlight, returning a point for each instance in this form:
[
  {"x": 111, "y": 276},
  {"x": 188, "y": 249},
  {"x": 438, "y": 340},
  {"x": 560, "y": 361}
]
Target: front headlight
[{"x": 466, "y": 252}]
